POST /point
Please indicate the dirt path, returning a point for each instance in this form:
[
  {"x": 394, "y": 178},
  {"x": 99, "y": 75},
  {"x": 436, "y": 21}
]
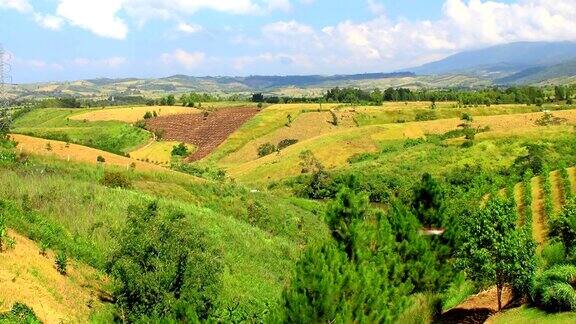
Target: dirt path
[
  {"x": 538, "y": 212},
  {"x": 30, "y": 278},
  {"x": 477, "y": 308}
]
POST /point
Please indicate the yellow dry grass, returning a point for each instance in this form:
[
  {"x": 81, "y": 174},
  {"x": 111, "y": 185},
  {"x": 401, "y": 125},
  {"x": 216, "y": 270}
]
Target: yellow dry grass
[
  {"x": 75, "y": 152},
  {"x": 132, "y": 114},
  {"x": 538, "y": 218},
  {"x": 32, "y": 279},
  {"x": 157, "y": 152},
  {"x": 334, "y": 145}
]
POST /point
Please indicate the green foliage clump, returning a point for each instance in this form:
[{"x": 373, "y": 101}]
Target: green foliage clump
[
  {"x": 266, "y": 149},
  {"x": 61, "y": 262},
  {"x": 100, "y": 159},
  {"x": 5, "y": 240},
  {"x": 163, "y": 268},
  {"x": 331, "y": 281},
  {"x": 180, "y": 150},
  {"x": 534, "y": 160},
  {"x": 113, "y": 179},
  {"x": 427, "y": 203},
  {"x": 425, "y": 115},
  {"x": 20, "y": 313},
  {"x": 286, "y": 142},
  {"x": 554, "y": 289},
  {"x": 494, "y": 251},
  {"x": 148, "y": 115},
  {"x": 563, "y": 227}
]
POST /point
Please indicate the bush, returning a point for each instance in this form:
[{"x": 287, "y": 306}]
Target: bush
[
  {"x": 148, "y": 115},
  {"x": 266, "y": 149},
  {"x": 100, "y": 159},
  {"x": 164, "y": 268},
  {"x": 554, "y": 289},
  {"x": 19, "y": 313},
  {"x": 6, "y": 242},
  {"x": 61, "y": 262},
  {"x": 426, "y": 115},
  {"x": 286, "y": 142},
  {"x": 115, "y": 180},
  {"x": 180, "y": 150}
]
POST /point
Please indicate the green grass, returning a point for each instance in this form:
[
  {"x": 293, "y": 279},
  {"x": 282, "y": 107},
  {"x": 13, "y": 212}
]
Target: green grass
[
  {"x": 528, "y": 315},
  {"x": 54, "y": 123},
  {"x": 260, "y": 236}
]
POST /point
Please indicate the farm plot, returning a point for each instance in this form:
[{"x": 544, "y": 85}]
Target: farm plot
[
  {"x": 204, "y": 132},
  {"x": 131, "y": 114}
]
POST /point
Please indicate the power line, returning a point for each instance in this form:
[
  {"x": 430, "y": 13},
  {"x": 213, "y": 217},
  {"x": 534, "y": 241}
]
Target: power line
[{"x": 5, "y": 80}]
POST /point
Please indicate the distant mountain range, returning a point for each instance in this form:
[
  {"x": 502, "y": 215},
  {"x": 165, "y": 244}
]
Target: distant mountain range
[
  {"x": 509, "y": 64},
  {"x": 514, "y": 63}
]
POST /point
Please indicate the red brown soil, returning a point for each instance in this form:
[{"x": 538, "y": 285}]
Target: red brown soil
[
  {"x": 478, "y": 308},
  {"x": 206, "y": 133}
]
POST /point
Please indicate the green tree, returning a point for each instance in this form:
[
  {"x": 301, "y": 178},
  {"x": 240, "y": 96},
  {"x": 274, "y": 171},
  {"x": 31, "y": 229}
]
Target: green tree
[
  {"x": 494, "y": 251},
  {"x": 353, "y": 278},
  {"x": 164, "y": 269},
  {"x": 180, "y": 150}
]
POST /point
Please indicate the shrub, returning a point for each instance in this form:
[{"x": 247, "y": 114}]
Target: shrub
[
  {"x": 467, "y": 117},
  {"x": 334, "y": 118},
  {"x": 286, "y": 142},
  {"x": 19, "y": 313},
  {"x": 100, "y": 159},
  {"x": 554, "y": 253},
  {"x": 147, "y": 115},
  {"x": 164, "y": 268},
  {"x": 113, "y": 179},
  {"x": 6, "y": 242},
  {"x": 180, "y": 150},
  {"x": 266, "y": 149},
  {"x": 554, "y": 289},
  {"x": 61, "y": 262},
  {"x": 425, "y": 115},
  {"x": 467, "y": 143}
]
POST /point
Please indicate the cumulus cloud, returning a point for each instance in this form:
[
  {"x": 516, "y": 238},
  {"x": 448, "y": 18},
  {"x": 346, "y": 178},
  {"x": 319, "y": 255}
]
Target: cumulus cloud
[
  {"x": 18, "y": 5},
  {"x": 98, "y": 17},
  {"x": 186, "y": 59},
  {"x": 48, "y": 21},
  {"x": 103, "y": 17},
  {"x": 189, "y": 28},
  {"x": 385, "y": 43}
]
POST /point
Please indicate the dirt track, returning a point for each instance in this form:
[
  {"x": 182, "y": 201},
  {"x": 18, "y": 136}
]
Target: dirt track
[{"x": 206, "y": 133}]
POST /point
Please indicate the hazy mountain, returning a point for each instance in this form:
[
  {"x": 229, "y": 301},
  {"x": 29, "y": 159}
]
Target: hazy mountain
[
  {"x": 542, "y": 74},
  {"x": 501, "y": 61}
]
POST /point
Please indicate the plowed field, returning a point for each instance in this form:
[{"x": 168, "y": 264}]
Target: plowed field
[{"x": 204, "y": 132}]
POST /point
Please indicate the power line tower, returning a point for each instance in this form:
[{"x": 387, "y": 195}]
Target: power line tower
[{"x": 5, "y": 80}]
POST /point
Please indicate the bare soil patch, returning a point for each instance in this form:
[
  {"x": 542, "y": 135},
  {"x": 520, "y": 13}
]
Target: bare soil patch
[{"x": 204, "y": 132}]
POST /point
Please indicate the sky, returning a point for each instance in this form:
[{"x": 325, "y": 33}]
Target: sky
[{"x": 58, "y": 40}]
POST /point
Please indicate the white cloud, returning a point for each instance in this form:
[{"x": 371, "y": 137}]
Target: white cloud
[
  {"x": 18, "y": 5},
  {"x": 99, "y": 17},
  {"x": 383, "y": 43},
  {"x": 376, "y": 7},
  {"x": 186, "y": 59},
  {"x": 48, "y": 21},
  {"x": 189, "y": 28}
]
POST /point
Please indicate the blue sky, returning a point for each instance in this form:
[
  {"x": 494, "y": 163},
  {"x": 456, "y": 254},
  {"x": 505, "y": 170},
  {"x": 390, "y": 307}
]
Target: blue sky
[{"x": 54, "y": 40}]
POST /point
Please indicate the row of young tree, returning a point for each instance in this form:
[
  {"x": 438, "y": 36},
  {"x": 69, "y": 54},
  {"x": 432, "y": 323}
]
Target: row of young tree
[{"x": 487, "y": 96}]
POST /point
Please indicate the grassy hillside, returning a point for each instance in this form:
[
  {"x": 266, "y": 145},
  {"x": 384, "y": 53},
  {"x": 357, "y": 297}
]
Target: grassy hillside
[
  {"x": 57, "y": 124},
  {"x": 65, "y": 206}
]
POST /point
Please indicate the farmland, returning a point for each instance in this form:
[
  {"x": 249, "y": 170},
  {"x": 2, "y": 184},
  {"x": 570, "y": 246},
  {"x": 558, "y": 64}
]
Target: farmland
[
  {"x": 265, "y": 220},
  {"x": 205, "y": 132},
  {"x": 130, "y": 114}
]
